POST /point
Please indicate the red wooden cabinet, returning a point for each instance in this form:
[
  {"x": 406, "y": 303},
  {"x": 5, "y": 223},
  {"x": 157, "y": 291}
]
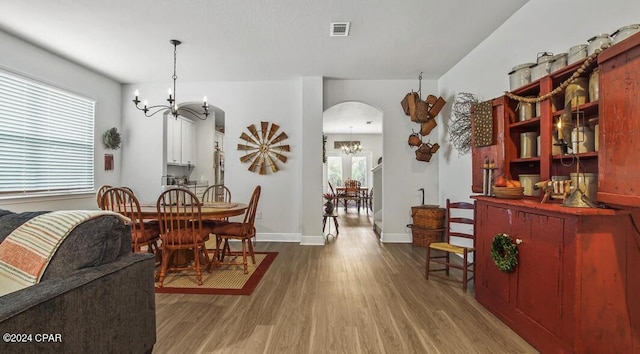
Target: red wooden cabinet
[
  {"x": 576, "y": 286},
  {"x": 619, "y": 163}
]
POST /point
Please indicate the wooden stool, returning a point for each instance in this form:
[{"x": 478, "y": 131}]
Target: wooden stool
[{"x": 334, "y": 216}]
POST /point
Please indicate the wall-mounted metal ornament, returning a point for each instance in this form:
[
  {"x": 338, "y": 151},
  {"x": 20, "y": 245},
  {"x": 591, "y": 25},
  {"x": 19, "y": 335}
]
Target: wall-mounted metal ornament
[{"x": 263, "y": 147}]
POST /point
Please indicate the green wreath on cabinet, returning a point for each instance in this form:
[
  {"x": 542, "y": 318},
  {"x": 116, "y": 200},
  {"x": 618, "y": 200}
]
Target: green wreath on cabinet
[{"x": 504, "y": 253}]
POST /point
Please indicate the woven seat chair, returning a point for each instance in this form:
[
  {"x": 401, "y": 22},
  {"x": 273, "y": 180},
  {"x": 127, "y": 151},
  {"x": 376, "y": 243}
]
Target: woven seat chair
[
  {"x": 181, "y": 229},
  {"x": 454, "y": 222},
  {"x": 242, "y": 231},
  {"x": 123, "y": 201}
]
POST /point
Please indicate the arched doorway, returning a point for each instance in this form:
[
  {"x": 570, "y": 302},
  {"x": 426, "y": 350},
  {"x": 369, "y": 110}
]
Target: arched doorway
[{"x": 347, "y": 123}]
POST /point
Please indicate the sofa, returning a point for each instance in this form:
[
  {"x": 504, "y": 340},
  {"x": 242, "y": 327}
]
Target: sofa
[{"x": 95, "y": 296}]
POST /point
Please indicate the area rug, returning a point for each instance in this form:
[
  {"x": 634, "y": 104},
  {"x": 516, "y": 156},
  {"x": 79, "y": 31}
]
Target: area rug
[{"x": 226, "y": 280}]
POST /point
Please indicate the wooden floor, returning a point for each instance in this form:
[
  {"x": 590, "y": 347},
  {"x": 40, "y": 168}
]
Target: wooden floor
[{"x": 354, "y": 295}]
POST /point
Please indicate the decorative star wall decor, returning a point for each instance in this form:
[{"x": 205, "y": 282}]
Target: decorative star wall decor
[{"x": 263, "y": 148}]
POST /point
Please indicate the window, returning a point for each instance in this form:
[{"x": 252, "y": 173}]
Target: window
[
  {"x": 359, "y": 169},
  {"x": 334, "y": 170},
  {"x": 341, "y": 167},
  {"x": 46, "y": 139}
]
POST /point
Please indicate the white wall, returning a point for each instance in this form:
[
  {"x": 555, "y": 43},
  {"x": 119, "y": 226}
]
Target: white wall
[
  {"x": 310, "y": 176},
  {"x": 31, "y": 61},
  {"x": 540, "y": 25},
  {"x": 402, "y": 174},
  {"x": 243, "y": 103}
]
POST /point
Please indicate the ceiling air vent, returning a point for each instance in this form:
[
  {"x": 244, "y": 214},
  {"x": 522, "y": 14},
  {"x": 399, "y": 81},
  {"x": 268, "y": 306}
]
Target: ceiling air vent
[{"x": 339, "y": 29}]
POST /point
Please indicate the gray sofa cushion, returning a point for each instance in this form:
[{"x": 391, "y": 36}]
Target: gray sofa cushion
[
  {"x": 98, "y": 241},
  {"x": 94, "y": 242},
  {"x": 9, "y": 221}
]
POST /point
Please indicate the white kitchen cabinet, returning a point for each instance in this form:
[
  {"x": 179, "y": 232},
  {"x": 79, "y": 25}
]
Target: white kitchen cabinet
[
  {"x": 188, "y": 137},
  {"x": 173, "y": 141},
  {"x": 181, "y": 135}
]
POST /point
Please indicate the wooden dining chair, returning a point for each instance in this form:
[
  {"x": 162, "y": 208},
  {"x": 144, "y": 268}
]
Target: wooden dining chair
[
  {"x": 216, "y": 193},
  {"x": 100, "y": 193},
  {"x": 456, "y": 219},
  {"x": 179, "y": 213},
  {"x": 367, "y": 200},
  {"x": 242, "y": 231},
  {"x": 123, "y": 201},
  {"x": 352, "y": 193}
]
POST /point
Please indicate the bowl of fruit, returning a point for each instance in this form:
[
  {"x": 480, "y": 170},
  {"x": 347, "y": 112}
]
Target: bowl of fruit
[{"x": 506, "y": 188}]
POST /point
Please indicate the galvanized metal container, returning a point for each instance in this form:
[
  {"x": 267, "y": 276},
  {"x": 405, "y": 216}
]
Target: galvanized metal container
[
  {"x": 624, "y": 32},
  {"x": 597, "y": 41},
  {"x": 577, "y": 53},
  {"x": 520, "y": 75},
  {"x": 558, "y": 62},
  {"x": 542, "y": 67}
]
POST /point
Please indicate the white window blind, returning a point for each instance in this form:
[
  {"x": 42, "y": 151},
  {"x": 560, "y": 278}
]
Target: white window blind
[{"x": 46, "y": 138}]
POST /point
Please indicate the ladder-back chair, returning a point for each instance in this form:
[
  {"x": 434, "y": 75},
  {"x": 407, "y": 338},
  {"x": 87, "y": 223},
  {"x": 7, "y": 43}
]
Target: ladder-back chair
[
  {"x": 456, "y": 220},
  {"x": 352, "y": 193}
]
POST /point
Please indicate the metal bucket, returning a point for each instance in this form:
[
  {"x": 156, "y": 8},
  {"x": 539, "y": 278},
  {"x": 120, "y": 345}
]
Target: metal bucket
[
  {"x": 586, "y": 182},
  {"x": 597, "y": 41},
  {"x": 543, "y": 66},
  {"x": 528, "y": 181},
  {"x": 582, "y": 139},
  {"x": 577, "y": 53},
  {"x": 526, "y": 111},
  {"x": 528, "y": 144},
  {"x": 625, "y": 32},
  {"x": 520, "y": 75},
  {"x": 558, "y": 62}
]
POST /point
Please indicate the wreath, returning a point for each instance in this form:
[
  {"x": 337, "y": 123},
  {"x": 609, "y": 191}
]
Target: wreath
[
  {"x": 504, "y": 253},
  {"x": 111, "y": 139}
]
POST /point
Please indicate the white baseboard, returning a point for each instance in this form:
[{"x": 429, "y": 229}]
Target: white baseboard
[
  {"x": 395, "y": 238},
  {"x": 278, "y": 237},
  {"x": 312, "y": 241}
]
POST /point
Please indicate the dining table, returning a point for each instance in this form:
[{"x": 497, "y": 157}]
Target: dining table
[
  {"x": 208, "y": 210},
  {"x": 341, "y": 193}
]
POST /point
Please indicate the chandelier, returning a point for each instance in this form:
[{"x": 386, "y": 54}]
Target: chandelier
[
  {"x": 351, "y": 147},
  {"x": 172, "y": 106}
]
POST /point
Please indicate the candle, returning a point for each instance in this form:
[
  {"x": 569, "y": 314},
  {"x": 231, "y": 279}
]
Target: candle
[
  {"x": 137, "y": 93},
  {"x": 560, "y": 135}
]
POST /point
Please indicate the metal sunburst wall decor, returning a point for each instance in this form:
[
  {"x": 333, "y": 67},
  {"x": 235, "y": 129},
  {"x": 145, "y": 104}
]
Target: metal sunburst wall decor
[{"x": 263, "y": 147}]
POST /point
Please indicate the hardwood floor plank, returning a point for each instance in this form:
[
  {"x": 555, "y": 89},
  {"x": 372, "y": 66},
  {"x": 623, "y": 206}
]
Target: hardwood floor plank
[{"x": 354, "y": 295}]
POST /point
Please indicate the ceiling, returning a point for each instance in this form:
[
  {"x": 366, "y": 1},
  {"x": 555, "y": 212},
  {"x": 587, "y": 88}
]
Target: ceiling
[{"x": 255, "y": 40}]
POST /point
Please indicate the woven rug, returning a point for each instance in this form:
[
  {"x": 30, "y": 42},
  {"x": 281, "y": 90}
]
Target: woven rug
[{"x": 226, "y": 280}]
